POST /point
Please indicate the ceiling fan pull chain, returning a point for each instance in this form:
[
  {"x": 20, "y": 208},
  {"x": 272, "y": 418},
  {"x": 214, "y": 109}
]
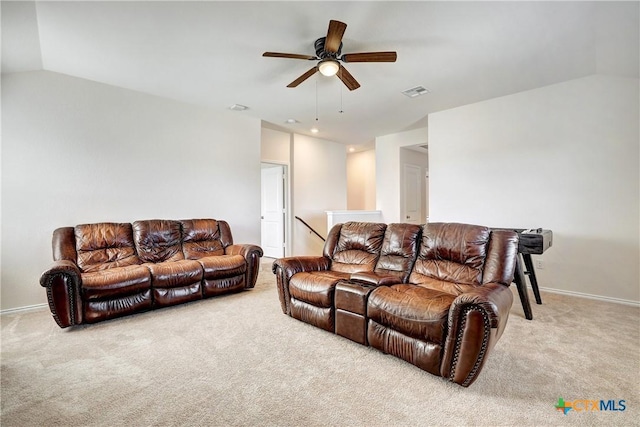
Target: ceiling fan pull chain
[
  {"x": 316, "y": 100},
  {"x": 341, "y": 111}
]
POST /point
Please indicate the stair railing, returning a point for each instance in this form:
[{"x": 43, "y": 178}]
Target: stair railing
[{"x": 310, "y": 228}]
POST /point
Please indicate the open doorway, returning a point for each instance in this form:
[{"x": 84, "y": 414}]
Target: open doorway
[{"x": 273, "y": 210}]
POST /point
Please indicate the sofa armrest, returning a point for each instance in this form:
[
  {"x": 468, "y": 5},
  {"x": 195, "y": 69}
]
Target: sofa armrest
[
  {"x": 292, "y": 265},
  {"x": 252, "y": 254},
  {"x": 63, "y": 281},
  {"x": 476, "y": 322},
  {"x": 285, "y": 268},
  {"x": 372, "y": 278}
]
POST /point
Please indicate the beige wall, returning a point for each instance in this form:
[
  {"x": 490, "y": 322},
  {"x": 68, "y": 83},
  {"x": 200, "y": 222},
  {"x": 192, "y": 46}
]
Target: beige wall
[
  {"x": 275, "y": 146},
  {"x": 361, "y": 180},
  {"x": 563, "y": 157},
  {"x": 319, "y": 182}
]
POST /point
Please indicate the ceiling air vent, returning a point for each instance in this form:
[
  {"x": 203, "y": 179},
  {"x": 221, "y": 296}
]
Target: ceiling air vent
[
  {"x": 415, "y": 91},
  {"x": 238, "y": 107}
]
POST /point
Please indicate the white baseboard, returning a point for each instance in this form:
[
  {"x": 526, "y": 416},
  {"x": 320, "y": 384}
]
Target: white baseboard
[
  {"x": 24, "y": 309},
  {"x": 591, "y": 296},
  {"x": 550, "y": 290}
]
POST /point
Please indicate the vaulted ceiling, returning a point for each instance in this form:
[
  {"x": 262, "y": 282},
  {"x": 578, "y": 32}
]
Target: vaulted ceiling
[{"x": 210, "y": 53}]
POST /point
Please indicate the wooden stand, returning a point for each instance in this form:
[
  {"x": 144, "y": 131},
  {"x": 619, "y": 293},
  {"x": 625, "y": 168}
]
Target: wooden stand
[{"x": 530, "y": 243}]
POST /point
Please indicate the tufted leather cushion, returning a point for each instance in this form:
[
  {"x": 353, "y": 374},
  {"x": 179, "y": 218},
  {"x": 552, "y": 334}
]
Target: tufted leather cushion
[
  {"x": 115, "y": 282},
  {"x": 358, "y": 247},
  {"x": 415, "y": 311},
  {"x": 216, "y": 267},
  {"x": 174, "y": 274},
  {"x": 104, "y": 245},
  {"x": 158, "y": 240},
  {"x": 451, "y": 257},
  {"x": 399, "y": 250},
  {"x": 315, "y": 288},
  {"x": 201, "y": 238}
]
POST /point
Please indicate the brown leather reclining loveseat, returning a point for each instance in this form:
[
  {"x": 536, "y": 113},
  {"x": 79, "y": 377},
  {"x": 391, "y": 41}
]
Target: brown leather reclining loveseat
[
  {"x": 436, "y": 295},
  {"x": 107, "y": 270}
]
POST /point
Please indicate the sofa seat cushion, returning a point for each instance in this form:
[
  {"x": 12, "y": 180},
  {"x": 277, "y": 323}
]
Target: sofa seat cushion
[
  {"x": 450, "y": 287},
  {"x": 115, "y": 282},
  {"x": 175, "y": 274},
  {"x": 414, "y": 311},
  {"x": 220, "y": 266},
  {"x": 316, "y": 287}
]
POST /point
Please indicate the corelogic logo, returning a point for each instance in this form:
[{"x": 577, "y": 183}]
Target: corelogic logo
[{"x": 586, "y": 405}]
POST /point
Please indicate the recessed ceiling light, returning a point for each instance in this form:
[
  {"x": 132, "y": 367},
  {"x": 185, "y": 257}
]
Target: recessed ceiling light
[
  {"x": 416, "y": 91},
  {"x": 238, "y": 107},
  {"x": 314, "y": 130},
  {"x": 291, "y": 121},
  {"x": 351, "y": 149}
]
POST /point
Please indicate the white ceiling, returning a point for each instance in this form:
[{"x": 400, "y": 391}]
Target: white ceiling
[{"x": 209, "y": 53}]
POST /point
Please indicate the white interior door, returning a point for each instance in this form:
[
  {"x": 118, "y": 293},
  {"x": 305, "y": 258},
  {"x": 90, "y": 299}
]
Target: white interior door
[
  {"x": 273, "y": 211},
  {"x": 412, "y": 194}
]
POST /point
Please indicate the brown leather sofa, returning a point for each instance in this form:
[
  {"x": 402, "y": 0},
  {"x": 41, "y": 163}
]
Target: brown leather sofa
[
  {"x": 436, "y": 295},
  {"x": 107, "y": 270}
]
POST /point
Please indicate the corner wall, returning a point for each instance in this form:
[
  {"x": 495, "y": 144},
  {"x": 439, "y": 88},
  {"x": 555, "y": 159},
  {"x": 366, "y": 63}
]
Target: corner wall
[
  {"x": 76, "y": 151},
  {"x": 563, "y": 157}
]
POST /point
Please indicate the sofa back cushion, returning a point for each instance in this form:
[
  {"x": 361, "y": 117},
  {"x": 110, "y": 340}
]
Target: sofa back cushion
[
  {"x": 204, "y": 237},
  {"x": 399, "y": 250},
  {"x": 104, "y": 245},
  {"x": 158, "y": 240},
  {"x": 355, "y": 246},
  {"x": 451, "y": 256}
]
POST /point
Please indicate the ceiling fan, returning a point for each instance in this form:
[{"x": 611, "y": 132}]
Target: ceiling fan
[{"x": 328, "y": 55}]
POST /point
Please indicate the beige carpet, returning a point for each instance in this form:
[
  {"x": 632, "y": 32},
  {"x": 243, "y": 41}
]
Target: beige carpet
[{"x": 237, "y": 360}]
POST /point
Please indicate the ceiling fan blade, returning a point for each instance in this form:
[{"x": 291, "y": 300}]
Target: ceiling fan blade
[
  {"x": 303, "y": 77},
  {"x": 334, "y": 36},
  {"x": 288, "y": 55},
  {"x": 370, "y": 57},
  {"x": 347, "y": 79}
]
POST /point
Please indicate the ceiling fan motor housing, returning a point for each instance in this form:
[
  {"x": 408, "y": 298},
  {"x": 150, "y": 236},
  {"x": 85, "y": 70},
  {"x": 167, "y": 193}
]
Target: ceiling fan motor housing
[{"x": 321, "y": 53}]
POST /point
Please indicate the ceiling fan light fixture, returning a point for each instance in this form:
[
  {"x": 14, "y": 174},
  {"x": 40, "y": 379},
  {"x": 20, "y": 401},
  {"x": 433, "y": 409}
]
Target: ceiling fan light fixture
[{"x": 328, "y": 67}]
